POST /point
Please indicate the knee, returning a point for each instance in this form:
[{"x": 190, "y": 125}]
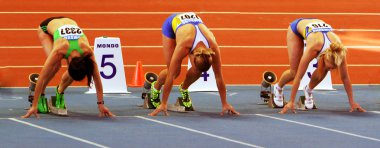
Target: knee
[
  {"x": 293, "y": 74},
  {"x": 176, "y": 75}
]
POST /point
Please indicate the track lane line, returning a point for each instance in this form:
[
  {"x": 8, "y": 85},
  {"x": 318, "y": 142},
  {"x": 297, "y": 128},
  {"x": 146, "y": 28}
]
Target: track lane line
[
  {"x": 58, "y": 133},
  {"x": 200, "y": 132},
  {"x": 320, "y": 127}
]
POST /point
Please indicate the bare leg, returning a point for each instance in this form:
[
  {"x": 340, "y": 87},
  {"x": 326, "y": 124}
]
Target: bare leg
[
  {"x": 317, "y": 76},
  {"x": 65, "y": 82},
  {"x": 191, "y": 76},
  {"x": 46, "y": 41},
  {"x": 168, "y": 47},
  {"x": 295, "y": 51}
]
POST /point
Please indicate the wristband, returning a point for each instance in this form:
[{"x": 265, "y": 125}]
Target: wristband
[{"x": 101, "y": 102}]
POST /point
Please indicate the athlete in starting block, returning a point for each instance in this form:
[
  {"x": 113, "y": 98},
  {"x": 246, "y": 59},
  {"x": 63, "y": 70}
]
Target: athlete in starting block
[
  {"x": 321, "y": 43},
  {"x": 61, "y": 39},
  {"x": 185, "y": 35}
]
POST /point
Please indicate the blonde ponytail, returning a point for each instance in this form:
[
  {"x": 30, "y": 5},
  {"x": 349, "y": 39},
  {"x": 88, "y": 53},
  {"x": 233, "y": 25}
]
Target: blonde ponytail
[{"x": 336, "y": 53}]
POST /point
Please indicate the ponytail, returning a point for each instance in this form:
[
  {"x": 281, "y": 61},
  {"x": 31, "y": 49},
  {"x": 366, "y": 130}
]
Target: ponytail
[{"x": 335, "y": 53}]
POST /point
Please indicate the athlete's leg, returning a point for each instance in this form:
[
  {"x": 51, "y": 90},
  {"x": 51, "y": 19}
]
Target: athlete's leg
[
  {"x": 192, "y": 75},
  {"x": 168, "y": 49},
  {"x": 46, "y": 41},
  {"x": 295, "y": 50}
]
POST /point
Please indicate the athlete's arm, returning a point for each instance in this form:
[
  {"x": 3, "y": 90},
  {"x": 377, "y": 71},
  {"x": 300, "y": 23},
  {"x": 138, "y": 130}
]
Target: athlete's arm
[
  {"x": 348, "y": 86},
  {"x": 50, "y": 68},
  {"x": 309, "y": 54}
]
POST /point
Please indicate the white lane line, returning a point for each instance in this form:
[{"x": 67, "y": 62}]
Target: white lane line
[
  {"x": 209, "y": 12},
  {"x": 213, "y": 29},
  {"x": 199, "y": 132},
  {"x": 320, "y": 127},
  {"x": 59, "y": 133},
  {"x": 222, "y": 46},
  {"x": 376, "y": 112}
]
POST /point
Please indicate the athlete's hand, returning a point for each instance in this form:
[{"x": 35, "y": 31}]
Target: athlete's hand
[
  {"x": 356, "y": 106},
  {"x": 104, "y": 112},
  {"x": 162, "y": 107},
  {"x": 289, "y": 105},
  {"x": 229, "y": 110},
  {"x": 31, "y": 111}
]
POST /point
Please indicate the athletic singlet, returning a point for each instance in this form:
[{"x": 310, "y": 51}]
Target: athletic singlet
[
  {"x": 72, "y": 33},
  {"x": 319, "y": 27},
  {"x": 199, "y": 37},
  {"x": 326, "y": 44}
]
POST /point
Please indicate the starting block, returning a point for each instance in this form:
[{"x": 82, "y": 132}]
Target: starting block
[
  {"x": 179, "y": 102},
  {"x": 147, "y": 103},
  {"x": 32, "y": 85},
  {"x": 171, "y": 107},
  {"x": 57, "y": 111},
  {"x": 150, "y": 77},
  {"x": 301, "y": 103},
  {"x": 271, "y": 103}
]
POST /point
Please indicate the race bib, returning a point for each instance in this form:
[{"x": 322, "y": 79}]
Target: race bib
[
  {"x": 70, "y": 32},
  {"x": 319, "y": 27},
  {"x": 189, "y": 17}
]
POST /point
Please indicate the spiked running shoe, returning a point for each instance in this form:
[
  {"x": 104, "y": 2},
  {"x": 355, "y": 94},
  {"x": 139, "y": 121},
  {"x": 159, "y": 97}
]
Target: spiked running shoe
[
  {"x": 186, "y": 100},
  {"x": 309, "y": 102},
  {"x": 278, "y": 96},
  {"x": 60, "y": 99},
  {"x": 155, "y": 95},
  {"x": 42, "y": 106}
]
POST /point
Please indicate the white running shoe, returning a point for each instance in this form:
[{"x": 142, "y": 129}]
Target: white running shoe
[
  {"x": 309, "y": 102},
  {"x": 278, "y": 96}
]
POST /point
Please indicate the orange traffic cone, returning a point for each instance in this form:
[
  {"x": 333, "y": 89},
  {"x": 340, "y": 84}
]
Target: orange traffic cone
[{"x": 138, "y": 78}]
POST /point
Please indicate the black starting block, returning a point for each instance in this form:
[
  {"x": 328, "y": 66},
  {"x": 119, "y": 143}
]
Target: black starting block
[
  {"x": 301, "y": 103},
  {"x": 32, "y": 86},
  {"x": 147, "y": 103},
  {"x": 57, "y": 111},
  {"x": 179, "y": 106},
  {"x": 271, "y": 103}
]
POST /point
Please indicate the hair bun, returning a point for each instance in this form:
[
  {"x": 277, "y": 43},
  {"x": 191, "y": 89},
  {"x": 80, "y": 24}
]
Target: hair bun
[{"x": 337, "y": 47}]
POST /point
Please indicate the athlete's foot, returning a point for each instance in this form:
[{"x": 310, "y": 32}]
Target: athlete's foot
[
  {"x": 185, "y": 96},
  {"x": 278, "y": 96},
  {"x": 154, "y": 95},
  {"x": 60, "y": 99},
  {"x": 309, "y": 102}
]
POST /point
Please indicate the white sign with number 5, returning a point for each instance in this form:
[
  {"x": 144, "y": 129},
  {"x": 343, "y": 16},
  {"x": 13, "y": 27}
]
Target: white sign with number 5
[{"x": 109, "y": 59}]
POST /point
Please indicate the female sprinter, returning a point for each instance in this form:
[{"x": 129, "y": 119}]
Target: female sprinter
[
  {"x": 321, "y": 43},
  {"x": 185, "y": 35},
  {"x": 61, "y": 38}
]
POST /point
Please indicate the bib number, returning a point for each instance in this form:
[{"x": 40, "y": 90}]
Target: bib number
[
  {"x": 320, "y": 27},
  {"x": 189, "y": 17},
  {"x": 70, "y": 32}
]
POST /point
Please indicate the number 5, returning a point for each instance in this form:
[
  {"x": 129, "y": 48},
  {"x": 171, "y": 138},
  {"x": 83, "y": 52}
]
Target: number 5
[{"x": 104, "y": 64}]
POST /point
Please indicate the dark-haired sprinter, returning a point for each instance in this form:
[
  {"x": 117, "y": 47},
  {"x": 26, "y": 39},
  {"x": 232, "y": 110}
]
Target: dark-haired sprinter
[
  {"x": 185, "y": 35},
  {"x": 61, "y": 38}
]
